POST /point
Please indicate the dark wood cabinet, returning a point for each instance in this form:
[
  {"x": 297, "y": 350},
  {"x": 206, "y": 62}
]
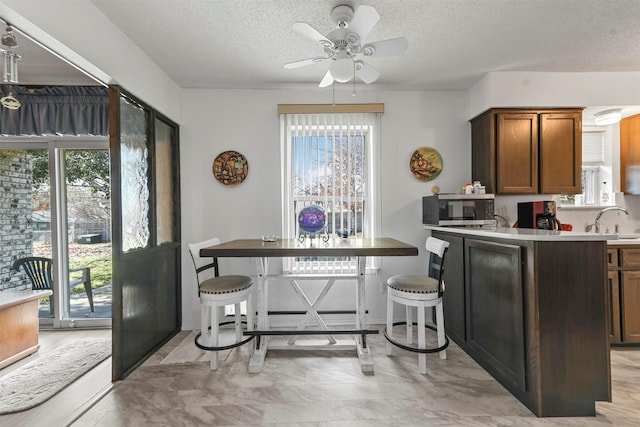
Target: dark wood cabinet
[
  {"x": 624, "y": 296},
  {"x": 528, "y": 151},
  {"x": 495, "y": 322},
  {"x": 534, "y": 315}
]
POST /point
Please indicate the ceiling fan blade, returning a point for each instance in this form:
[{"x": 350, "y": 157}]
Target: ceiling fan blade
[
  {"x": 304, "y": 62},
  {"x": 365, "y": 18},
  {"x": 310, "y": 32},
  {"x": 367, "y": 73},
  {"x": 391, "y": 47},
  {"x": 327, "y": 80}
]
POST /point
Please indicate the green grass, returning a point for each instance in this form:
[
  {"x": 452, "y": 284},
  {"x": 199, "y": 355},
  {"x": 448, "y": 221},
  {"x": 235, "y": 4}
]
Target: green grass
[{"x": 100, "y": 270}]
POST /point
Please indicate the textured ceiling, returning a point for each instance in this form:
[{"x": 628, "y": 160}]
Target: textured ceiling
[{"x": 452, "y": 43}]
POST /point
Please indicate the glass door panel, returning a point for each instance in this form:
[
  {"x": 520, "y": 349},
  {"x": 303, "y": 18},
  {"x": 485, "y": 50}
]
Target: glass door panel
[
  {"x": 55, "y": 203},
  {"x": 165, "y": 183},
  {"x": 87, "y": 247},
  {"x": 134, "y": 167}
]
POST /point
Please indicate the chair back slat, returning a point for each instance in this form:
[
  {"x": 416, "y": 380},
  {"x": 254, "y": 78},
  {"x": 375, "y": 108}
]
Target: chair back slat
[
  {"x": 437, "y": 251},
  {"x": 204, "y": 265},
  {"x": 37, "y": 269}
]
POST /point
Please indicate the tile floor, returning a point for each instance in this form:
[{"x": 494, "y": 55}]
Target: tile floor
[{"x": 176, "y": 388}]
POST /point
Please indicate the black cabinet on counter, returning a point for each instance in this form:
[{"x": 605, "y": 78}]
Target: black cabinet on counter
[{"x": 532, "y": 313}]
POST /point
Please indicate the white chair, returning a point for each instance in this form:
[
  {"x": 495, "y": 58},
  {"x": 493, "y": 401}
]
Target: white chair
[
  {"x": 420, "y": 291},
  {"x": 218, "y": 291}
]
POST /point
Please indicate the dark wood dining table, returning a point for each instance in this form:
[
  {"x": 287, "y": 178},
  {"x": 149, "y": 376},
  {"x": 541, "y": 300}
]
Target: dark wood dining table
[{"x": 263, "y": 251}]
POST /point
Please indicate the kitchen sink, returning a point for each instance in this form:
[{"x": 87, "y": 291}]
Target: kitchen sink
[
  {"x": 628, "y": 236},
  {"x": 625, "y": 239}
]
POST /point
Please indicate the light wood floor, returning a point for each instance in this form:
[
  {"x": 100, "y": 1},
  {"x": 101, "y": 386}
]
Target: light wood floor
[{"x": 71, "y": 402}]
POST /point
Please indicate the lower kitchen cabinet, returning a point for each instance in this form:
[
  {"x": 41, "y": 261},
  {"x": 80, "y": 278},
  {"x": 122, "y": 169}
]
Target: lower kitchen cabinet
[
  {"x": 613, "y": 307},
  {"x": 630, "y": 306},
  {"x": 533, "y": 314},
  {"x": 624, "y": 296},
  {"x": 495, "y": 329}
]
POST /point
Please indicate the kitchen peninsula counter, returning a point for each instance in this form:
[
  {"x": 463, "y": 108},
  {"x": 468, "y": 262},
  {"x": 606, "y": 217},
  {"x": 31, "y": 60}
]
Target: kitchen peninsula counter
[{"x": 530, "y": 307}]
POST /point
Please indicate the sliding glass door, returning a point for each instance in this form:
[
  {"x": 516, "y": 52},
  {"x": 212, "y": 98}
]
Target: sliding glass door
[{"x": 59, "y": 199}]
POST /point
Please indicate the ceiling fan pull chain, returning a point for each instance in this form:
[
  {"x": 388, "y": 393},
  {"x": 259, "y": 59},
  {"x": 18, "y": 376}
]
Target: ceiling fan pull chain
[{"x": 354, "y": 79}]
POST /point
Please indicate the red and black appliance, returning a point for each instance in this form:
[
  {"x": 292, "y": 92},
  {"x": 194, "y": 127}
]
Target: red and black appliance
[{"x": 540, "y": 215}]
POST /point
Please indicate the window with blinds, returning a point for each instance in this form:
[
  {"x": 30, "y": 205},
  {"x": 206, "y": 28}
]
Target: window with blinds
[
  {"x": 593, "y": 147},
  {"x": 329, "y": 161},
  {"x": 596, "y": 173}
]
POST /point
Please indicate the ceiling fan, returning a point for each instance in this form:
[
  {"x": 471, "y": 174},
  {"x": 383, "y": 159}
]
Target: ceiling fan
[{"x": 344, "y": 47}]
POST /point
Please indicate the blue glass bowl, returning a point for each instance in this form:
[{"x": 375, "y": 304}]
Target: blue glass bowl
[{"x": 312, "y": 219}]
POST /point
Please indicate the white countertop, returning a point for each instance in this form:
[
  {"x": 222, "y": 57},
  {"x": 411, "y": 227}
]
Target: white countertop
[
  {"x": 11, "y": 298},
  {"x": 625, "y": 240},
  {"x": 531, "y": 234}
]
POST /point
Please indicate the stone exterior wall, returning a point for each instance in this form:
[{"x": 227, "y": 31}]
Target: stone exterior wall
[{"x": 15, "y": 216}]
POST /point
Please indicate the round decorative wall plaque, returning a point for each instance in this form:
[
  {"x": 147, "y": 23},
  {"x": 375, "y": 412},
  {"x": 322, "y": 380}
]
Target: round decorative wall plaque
[
  {"x": 425, "y": 163},
  {"x": 230, "y": 168}
]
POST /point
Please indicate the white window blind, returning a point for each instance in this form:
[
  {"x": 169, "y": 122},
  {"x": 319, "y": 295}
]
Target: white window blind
[
  {"x": 593, "y": 147},
  {"x": 330, "y": 161}
]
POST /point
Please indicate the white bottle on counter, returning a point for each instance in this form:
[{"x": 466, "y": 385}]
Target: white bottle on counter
[{"x": 604, "y": 194}]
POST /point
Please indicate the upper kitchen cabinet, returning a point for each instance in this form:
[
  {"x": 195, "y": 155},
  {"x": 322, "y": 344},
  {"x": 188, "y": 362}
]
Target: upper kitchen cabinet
[
  {"x": 630, "y": 155},
  {"x": 528, "y": 151}
]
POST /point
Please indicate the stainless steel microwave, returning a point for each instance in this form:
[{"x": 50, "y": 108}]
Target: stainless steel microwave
[{"x": 458, "y": 209}]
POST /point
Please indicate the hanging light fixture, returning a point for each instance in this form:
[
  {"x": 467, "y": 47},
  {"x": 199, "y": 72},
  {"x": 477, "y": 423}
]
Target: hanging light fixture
[
  {"x": 11, "y": 58},
  {"x": 608, "y": 117}
]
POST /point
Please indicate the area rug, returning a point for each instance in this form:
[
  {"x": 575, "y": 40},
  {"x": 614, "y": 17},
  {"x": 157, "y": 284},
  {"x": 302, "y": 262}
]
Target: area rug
[{"x": 36, "y": 382}]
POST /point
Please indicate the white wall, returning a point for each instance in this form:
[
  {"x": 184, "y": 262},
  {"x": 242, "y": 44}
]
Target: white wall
[
  {"x": 247, "y": 121},
  {"x": 537, "y": 89}
]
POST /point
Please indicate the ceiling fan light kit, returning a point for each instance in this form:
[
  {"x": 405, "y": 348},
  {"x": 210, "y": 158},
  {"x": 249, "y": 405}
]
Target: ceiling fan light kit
[{"x": 344, "y": 46}]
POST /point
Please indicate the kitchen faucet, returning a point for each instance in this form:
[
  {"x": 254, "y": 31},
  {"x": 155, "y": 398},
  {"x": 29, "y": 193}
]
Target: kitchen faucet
[{"x": 610, "y": 208}]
